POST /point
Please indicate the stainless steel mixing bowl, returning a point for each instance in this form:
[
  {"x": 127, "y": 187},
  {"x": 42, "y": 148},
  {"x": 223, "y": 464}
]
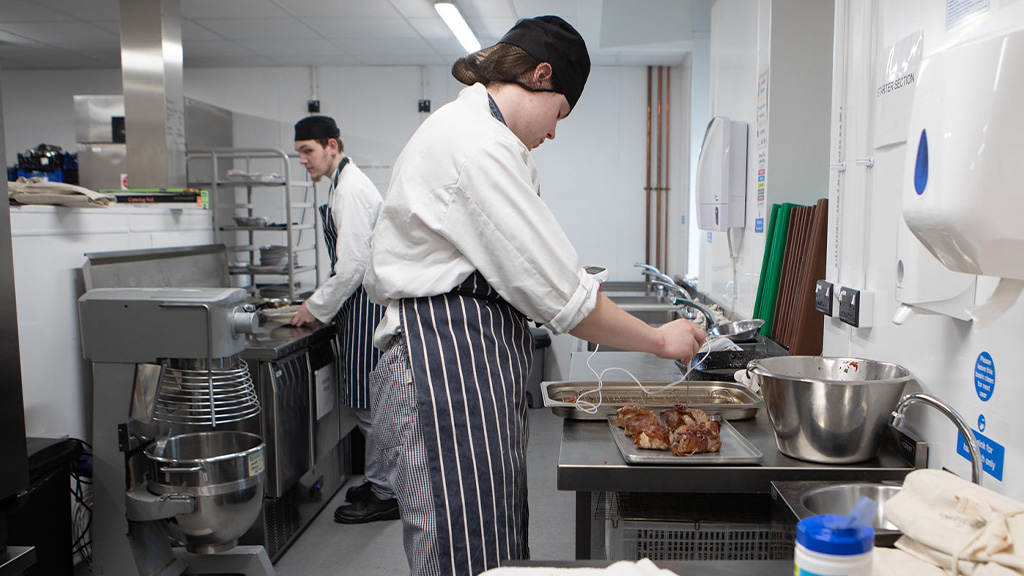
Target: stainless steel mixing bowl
[
  {"x": 223, "y": 471},
  {"x": 829, "y": 410}
]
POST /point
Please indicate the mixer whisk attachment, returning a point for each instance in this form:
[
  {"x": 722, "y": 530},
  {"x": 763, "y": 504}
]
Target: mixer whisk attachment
[{"x": 205, "y": 395}]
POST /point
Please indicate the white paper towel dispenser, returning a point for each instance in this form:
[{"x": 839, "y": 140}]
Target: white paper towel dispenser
[
  {"x": 961, "y": 192},
  {"x": 722, "y": 175}
]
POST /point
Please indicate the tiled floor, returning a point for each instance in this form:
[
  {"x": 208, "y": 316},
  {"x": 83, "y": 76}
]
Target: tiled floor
[{"x": 329, "y": 549}]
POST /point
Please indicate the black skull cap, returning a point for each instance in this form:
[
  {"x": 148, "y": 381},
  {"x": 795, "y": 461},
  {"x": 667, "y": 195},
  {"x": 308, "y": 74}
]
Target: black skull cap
[
  {"x": 553, "y": 40},
  {"x": 316, "y": 128}
]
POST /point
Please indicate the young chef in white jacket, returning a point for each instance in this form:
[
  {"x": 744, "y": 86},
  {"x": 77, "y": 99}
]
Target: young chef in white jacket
[
  {"x": 348, "y": 217},
  {"x": 465, "y": 254}
]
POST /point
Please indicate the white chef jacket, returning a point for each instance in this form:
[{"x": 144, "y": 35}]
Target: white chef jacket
[
  {"x": 464, "y": 197},
  {"x": 355, "y": 203}
]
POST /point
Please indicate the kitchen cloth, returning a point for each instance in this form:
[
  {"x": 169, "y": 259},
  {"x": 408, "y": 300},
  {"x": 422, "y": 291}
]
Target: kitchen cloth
[
  {"x": 643, "y": 567},
  {"x": 955, "y": 525},
  {"x": 38, "y": 191}
]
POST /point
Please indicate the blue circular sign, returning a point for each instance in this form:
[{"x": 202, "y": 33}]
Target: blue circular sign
[
  {"x": 984, "y": 376},
  {"x": 981, "y": 422}
]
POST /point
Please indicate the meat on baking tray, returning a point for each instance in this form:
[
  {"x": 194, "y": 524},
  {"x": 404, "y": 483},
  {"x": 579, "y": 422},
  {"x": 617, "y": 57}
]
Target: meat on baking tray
[
  {"x": 687, "y": 431},
  {"x": 698, "y": 438},
  {"x": 681, "y": 415},
  {"x": 623, "y": 414}
]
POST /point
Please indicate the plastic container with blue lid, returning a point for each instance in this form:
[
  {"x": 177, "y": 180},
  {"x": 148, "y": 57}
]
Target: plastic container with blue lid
[{"x": 828, "y": 545}]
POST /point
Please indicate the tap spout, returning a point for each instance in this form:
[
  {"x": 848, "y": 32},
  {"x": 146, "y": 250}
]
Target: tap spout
[
  {"x": 899, "y": 414},
  {"x": 684, "y": 299}
]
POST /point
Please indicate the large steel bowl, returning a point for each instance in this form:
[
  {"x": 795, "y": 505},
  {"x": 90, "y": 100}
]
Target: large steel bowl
[
  {"x": 223, "y": 471},
  {"x": 829, "y": 410}
]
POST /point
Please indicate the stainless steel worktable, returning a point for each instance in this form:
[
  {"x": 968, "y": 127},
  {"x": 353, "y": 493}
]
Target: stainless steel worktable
[{"x": 589, "y": 463}]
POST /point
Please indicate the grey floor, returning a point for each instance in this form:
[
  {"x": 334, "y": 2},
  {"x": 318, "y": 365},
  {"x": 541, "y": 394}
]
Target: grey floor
[{"x": 327, "y": 548}]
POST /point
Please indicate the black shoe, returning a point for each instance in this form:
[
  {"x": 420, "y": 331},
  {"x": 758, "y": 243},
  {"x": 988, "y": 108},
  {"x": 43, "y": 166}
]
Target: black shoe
[
  {"x": 369, "y": 509},
  {"x": 357, "y": 493}
]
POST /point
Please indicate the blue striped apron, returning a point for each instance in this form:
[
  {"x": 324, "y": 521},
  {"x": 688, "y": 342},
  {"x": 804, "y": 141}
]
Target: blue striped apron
[
  {"x": 470, "y": 354},
  {"x": 356, "y": 320}
]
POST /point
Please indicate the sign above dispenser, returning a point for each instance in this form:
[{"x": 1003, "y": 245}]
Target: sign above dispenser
[
  {"x": 961, "y": 186},
  {"x": 722, "y": 175}
]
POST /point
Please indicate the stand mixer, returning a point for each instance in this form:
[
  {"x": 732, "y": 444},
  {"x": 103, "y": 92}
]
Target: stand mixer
[{"x": 178, "y": 476}]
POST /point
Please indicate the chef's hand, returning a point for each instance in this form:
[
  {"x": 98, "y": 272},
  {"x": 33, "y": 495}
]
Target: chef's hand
[
  {"x": 682, "y": 340},
  {"x": 303, "y": 317}
]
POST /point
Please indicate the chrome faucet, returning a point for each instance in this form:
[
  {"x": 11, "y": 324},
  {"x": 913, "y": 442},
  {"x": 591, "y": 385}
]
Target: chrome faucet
[
  {"x": 898, "y": 416},
  {"x": 647, "y": 267},
  {"x": 684, "y": 299}
]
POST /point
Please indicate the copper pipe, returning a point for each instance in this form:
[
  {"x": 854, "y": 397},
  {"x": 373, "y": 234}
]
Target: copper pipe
[
  {"x": 657, "y": 186},
  {"x": 647, "y": 173},
  {"x": 668, "y": 136}
]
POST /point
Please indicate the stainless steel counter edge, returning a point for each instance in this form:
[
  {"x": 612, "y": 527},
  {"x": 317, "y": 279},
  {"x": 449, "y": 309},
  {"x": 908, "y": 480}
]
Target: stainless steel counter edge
[{"x": 589, "y": 461}]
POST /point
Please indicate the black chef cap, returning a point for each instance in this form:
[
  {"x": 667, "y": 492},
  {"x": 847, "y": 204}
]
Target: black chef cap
[
  {"x": 551, "y": 39},
  {"x": 316, "y": 128}
]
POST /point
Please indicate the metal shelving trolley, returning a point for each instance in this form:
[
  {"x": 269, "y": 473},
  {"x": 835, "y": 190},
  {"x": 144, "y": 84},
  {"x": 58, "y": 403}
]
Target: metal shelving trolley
[{"x": 251, "y": 219}]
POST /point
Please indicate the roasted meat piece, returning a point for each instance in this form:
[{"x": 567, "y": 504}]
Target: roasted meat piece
[
  {"x": 623, "y": 414},
  {"x": 681, "y": 416},
  {"x": 654, "y": 437},
  {"x": 639, "y": 422},
  {"x": 701, "y": 437}
]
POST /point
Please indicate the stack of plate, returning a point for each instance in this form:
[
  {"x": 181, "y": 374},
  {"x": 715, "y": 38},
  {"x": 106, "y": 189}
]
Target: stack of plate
[{"x": 274, "y": 256}]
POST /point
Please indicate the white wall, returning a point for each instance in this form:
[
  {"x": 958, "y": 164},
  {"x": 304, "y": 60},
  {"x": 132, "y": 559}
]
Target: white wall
[
  {"x": 592, "y": 176},
  {"x": 49, "y": 245},
  {"x": 941, "y": 351}
]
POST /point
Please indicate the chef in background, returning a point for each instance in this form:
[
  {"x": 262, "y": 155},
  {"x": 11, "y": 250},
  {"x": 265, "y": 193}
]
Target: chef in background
[
  {"x": 348, "y": 217},
  {"x": 465, "y": 255}
]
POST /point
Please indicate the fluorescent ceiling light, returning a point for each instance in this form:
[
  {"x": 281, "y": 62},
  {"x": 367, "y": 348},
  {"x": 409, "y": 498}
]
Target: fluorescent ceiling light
[{"x": 451, "y": 16}]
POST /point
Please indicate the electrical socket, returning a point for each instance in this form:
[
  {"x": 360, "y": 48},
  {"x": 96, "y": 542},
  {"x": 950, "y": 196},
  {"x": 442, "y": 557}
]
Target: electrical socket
[
  {"x": 855, "y": 307},
  {"x": 823, "y": 297}
]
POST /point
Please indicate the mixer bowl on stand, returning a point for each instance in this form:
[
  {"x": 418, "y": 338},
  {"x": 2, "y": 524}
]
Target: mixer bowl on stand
[{"x": 223, "y": 471}]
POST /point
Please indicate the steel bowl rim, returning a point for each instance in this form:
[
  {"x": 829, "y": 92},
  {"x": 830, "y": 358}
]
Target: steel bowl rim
[
  {"x": 753, "y": 365},
  {"x": 212, "y": 459}
]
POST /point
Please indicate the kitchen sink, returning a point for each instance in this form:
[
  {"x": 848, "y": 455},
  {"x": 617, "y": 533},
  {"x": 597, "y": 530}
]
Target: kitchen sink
[
  {"x": 627, "y": 298},
  {"x": 805, "y": 499},
  {"x": 616, "y": 287},
  {"x": 841, "y": 498},
  {"x": 653, "y": 314}
]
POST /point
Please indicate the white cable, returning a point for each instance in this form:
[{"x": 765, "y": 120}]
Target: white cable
[{"x": 591, "y": 408}]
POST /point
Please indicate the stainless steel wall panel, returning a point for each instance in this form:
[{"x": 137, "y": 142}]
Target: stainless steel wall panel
[{"x": 151, "y": 76}]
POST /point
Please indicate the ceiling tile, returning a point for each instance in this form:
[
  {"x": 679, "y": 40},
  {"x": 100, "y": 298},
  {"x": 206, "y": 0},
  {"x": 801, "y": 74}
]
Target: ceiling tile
[
  {"x": 108, "y": 25},
  {"x": 566, "y": 9},
  {"x": 27, "y": 11},
  {"x": 488, "y": 8},
  {"x": 221, "y": 48},
  {"x": 262, "y": 28},
  {"x": 192, "y": 31},
  {"x": 415, "y": 8},
  {"x": 222, "y": 61},
  {"x": 281, "y": 48},
  {"x": 196, "y": 9},
  {"x": 422, "y": 59},
  {"x": 362, "y": 27},
  {"x": 384, "y": 47},
  {"x": 84, "y": 9},
  {"x": 339, "y": 8},
  {"x": 63, "y": 33},
  {"x": 431, "y": 27}
]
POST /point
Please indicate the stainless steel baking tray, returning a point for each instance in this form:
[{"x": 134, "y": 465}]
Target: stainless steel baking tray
[
  {"x": 735, "y": 450},
  {"x": 731, "y": 400}
]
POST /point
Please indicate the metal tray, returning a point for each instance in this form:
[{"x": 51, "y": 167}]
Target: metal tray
[
  {"x": 735, "y": 450},
  {"x": 730, "y": 400}
]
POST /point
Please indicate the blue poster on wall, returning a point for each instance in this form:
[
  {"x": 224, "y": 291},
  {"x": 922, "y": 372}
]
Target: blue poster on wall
[{"x": 984, "y": 376}]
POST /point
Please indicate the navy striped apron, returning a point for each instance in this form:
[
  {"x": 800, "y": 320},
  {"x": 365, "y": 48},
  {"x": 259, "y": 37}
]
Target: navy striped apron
[
  {"x": 470, "y": 354},
  {"x": 356, "y": 320}
]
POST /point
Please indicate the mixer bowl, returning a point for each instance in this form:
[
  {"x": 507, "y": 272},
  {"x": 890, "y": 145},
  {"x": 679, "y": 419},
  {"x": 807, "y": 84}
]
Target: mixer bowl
[
  {"x": 223, "y": 471},
  {"x": 829, "y": 410}
]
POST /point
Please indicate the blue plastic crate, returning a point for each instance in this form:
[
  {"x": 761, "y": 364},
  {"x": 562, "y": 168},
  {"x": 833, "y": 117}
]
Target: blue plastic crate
[{"x": 55, "y": 176}]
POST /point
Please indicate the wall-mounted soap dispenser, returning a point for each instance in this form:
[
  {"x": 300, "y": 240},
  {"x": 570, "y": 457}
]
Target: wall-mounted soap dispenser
[
  {"x": 722, "y": 175},
  {"x": 965, "y": 150}
]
